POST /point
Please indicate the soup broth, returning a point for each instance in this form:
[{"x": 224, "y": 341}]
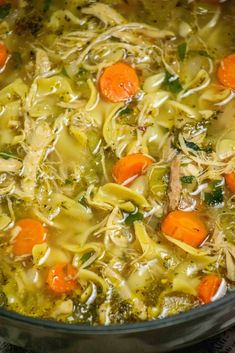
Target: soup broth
[{"x": 117, "y": 158}]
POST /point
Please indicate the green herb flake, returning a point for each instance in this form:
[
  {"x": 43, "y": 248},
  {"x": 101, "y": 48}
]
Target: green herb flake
[
  {"x": 208, "y": 149},
  {"x": 182, "y": 49},
  {"x": 204, "y": 53},
  {"x": 126, "y": 111},
  {"x": 187, "y": 179},
  {"x": 216, "y": 196},
  {"x": 192, "y": 146},
  {"x": 82, "y": 72},
  {"x": 5, "y": 10},
  {"x": 83, "y": 201},
  {"x": 16, "y": 59},
  {"x": 46, "y": 5},
  {"x": 6, "y": 155},
  {"x": 68, "y": 182},
  {"x": 64, "y": 72},
  {"x": 132, "y": 217},
  {"x": 87, "y": 256},
  {"x": 172, "y": 83}
]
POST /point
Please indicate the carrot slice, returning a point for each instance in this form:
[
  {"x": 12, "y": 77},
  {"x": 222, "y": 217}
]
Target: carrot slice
[
  {"x": 230, "y": 181},
  {"x": 185, "y": 226},
  {"x": 118, "y": 83},
  {"x": 130, "y": 167},
  {"x": 208, "y": 288},
  {"x": 61, "y": 278},
  {"x": 31, "y": 232},
  {"x": 3, "y": 55},
  {"x": 226, "y": 72}
]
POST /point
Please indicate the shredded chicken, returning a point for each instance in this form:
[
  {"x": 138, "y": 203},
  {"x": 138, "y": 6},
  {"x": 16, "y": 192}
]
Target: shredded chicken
[
  {"x": 175, "y": 184},
  {"x": 10, "y": 165},
  {"x": 38, "y": 142},
  {"x": 105, "y": 13},
  {"x": 43, "y": 64},
  {"x": 65, "y": 308}
]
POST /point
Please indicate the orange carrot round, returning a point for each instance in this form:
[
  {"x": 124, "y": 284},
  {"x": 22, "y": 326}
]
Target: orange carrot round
[
  {"x": 186, "y": 227},
  {"x": 208, "y": 288},
  {"x": 31, "y": 232},
  {"x": 130, "y": 167},
  {"x": 3, "y": 55},
  {"x": 61, "y": 278},
  {"x": 118, "y": 83},
  {"x": 230, "y": 181},
  {"x": 226, "y": 72}
]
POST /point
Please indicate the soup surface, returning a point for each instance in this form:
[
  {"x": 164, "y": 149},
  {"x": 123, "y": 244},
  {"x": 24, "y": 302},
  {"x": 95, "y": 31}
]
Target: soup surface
[{"x": 117, "y": 157}]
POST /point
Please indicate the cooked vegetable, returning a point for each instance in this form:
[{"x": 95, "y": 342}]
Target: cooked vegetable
[
  {"x": 226, "y": 70},
  {"x": 29, "y": 232},
  {"x": 46, "y": 5},
  {"x": 60, "y": 278},
  {"x": 172, "y": 83},
  {"x": 187, "y": 179},
  {"x": 215, "y": 196},
  {"x": 118, "y": 83},
  {"x": 127, "y": 169},
  {"x": 208, "y": 288},
  {"x": 3, "y": 55},
  {"x": 182, "y": 49},
  {"x": 132, "y": 217},
  {"x": 230, "y": 181},
  {"x": 185, "y": 226},
  {"x": 5, "y": 8}
]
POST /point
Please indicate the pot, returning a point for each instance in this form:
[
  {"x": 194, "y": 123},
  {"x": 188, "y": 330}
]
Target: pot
[{"x": 158, "y": 336}]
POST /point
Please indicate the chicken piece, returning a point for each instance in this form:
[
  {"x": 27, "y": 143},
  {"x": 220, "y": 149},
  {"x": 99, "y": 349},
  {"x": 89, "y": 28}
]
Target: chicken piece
[{"x": 175, "y": 184}]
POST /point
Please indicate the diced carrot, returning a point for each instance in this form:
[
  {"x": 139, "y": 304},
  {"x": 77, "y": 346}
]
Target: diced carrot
[
  {"x": 230, "y": 181},
  {"x": 118, "y": 83},
  {"x": 186, "y": 227},
  {"x": 130, "y": 167},
  {"x": 3, "y": 55},
  {"x": 61, "y": 280},
  {"x": 226, "y": 72},
  {"x": 208, "y": 288},
  {"x": 31, "y": 232}
]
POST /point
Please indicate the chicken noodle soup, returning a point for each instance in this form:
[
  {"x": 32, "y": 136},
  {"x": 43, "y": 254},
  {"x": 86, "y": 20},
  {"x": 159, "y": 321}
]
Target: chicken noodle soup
[{"x": 117, "y": 158}]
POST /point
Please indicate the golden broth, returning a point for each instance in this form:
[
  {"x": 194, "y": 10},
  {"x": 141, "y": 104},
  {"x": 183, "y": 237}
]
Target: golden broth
[{"x": 103, "y": 251}]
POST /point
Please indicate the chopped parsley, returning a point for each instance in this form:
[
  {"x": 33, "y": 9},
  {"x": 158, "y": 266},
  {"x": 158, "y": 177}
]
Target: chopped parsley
[
  {"x": 187, "y": 179},
  {"x": 126, "y": 111},
  {"x": 6, "y": 155},
  {"x": 82, "y": 72},
  {"x": 182, "y": 49},
  {"x": 16, "y": 59},
  {"x": 216, "y": 196},
  {"x": 204, "y": 53},
  {"x": 46, "y": 5},
  {"x": 68, "y": 182},
  {"x": 64, "y": 72},
  {"x": 87, "y": 256},
  {"x": 5, "y": 10},
  {"x": 192, "y": 146},
  {"x": 172, "y": 83},
  {"x": 132, "y": 217},
  {"x": 83, "y": 201}
]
